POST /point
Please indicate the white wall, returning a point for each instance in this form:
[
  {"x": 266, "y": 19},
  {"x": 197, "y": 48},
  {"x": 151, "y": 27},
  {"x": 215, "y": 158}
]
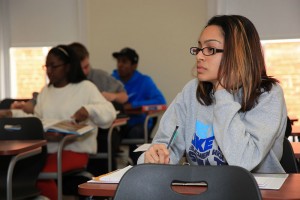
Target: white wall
[
  {"x": 274, "y": 19},
  {"x": 161, "y": 32}
]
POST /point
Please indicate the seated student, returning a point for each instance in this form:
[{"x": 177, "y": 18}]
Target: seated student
[
  {"x": 141, "y": 90},
  {"x": 233, "y": 113},
  {"x": 113, "y": 90},
  {"x": 69, "y": 95}
]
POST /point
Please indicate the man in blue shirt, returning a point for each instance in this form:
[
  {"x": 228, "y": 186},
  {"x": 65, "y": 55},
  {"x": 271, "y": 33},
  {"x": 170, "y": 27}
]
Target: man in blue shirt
[{"x": 140, "y": 88}]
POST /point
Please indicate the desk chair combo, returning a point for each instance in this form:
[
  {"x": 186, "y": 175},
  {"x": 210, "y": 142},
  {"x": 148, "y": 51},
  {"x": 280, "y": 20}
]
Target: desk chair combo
[
  {"x": 18, "y": 174},
  {"x": 108, "y": 154},
  {"x": 79, "y": 174},
  {"x": 153, "y": 181}
]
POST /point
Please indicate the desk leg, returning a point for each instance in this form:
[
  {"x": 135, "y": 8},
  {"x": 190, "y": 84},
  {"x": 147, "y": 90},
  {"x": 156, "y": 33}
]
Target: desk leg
[{"x": 11, "y": 167}]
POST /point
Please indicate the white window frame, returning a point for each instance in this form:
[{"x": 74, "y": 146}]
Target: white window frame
[{"x": 6, "y": 72}]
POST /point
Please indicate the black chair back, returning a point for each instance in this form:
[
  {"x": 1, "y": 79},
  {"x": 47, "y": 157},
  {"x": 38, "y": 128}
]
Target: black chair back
[
  {"x": 288, "y": 160},
  {"x": 151, "y": 181},
  {"x": 288, "y": 129},
  {"x": 27, "y": 170}
]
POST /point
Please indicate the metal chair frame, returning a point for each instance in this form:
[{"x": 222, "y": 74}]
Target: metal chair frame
[
  {"x": 58, "y": 175},
  {"x": 108, "y": 155}
]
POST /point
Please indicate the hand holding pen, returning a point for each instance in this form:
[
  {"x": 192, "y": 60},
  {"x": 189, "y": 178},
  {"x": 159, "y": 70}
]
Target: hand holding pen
[
  {"x": 173, "y": 137},
  {"x": 159, "y": 153}
]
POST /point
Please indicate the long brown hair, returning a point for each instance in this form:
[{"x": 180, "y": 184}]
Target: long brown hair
[{"x": 242, "y": 65}]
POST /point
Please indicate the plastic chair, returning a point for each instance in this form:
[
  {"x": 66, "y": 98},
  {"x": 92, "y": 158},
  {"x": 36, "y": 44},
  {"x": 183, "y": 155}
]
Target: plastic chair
[
  {"x": 288, "y": 160},
  {"x": 22, "y": 170},
  {"x": 151, "y": 181}
]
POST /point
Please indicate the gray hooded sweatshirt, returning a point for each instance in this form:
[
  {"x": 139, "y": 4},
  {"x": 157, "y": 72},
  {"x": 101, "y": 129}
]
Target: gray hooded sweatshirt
[{"x": 221, "y": 135}]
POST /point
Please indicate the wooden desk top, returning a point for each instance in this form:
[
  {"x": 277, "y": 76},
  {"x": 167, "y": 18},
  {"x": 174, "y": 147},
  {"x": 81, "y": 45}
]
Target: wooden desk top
[
  {"x": 289, "y": 191},
  {"x": 120, "y": 121},
  {"x": 296, "y": 148},
  {"x": 14, "y": 147},
  {"x": 293, "y": 119},
  {"x": 147, "y": 109}
]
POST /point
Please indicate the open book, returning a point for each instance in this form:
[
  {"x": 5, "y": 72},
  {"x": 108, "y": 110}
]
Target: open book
[
  {"x": 66, "y": 127},
  {"x": 111, "y": 177}
]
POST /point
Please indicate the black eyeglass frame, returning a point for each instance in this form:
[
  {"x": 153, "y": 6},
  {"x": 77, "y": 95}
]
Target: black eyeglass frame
[
  {"x": 214, "y": 50},
  {"x": 52, "y": 66}
]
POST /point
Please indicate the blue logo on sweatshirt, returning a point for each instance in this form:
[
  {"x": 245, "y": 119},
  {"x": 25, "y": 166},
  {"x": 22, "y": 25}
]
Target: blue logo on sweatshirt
[{"x": 202, "y": 146}]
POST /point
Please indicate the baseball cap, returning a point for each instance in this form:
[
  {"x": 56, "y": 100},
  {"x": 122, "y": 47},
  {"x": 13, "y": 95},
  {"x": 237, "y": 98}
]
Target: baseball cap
[{"x": 129, "y": 53}]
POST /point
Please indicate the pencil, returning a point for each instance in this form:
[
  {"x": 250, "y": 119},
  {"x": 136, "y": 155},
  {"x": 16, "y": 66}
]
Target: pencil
[
  {"x": 98, "y": 177},
  {"x": 173, "y": 137}
]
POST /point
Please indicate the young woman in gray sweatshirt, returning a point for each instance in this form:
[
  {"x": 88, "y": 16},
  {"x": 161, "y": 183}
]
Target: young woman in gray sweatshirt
[{"x": 233, "y": 113}]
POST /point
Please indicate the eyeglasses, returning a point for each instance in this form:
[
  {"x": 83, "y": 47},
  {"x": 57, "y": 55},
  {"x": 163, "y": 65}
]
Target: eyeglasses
[
  {"x": 207, "y": 51},
  {"x": 52, "y": 67}
]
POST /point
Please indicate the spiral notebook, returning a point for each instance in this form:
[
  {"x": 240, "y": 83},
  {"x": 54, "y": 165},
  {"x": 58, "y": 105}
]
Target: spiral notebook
[{"x": 112, "y": 177}]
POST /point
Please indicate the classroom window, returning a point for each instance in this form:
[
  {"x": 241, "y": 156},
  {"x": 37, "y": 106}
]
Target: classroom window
[
  {"x": 283, "y": 62},
  {"x": 26, "y": 71}
]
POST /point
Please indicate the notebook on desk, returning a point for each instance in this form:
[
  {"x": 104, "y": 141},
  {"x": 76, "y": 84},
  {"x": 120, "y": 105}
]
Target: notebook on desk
[
  {"x": 270, "y": 181},
  {"x": 143, "y": 147},
  {"x": 112, "y": 177}
]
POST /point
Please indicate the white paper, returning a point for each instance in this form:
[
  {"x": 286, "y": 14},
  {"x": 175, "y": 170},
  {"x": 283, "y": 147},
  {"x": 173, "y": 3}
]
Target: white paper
[
  {"x": 143, "y": 147},
  {"x": 270, "y": 181},
  {"x": 113, "y": 177}
]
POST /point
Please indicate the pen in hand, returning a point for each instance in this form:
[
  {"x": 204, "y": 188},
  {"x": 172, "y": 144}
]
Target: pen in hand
[{"x": 173, "y": 137}]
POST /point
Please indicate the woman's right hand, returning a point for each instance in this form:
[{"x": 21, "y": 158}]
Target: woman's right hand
[
  {"x": 157, "y": 153},
  {"x": 5, "y": 113}
]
